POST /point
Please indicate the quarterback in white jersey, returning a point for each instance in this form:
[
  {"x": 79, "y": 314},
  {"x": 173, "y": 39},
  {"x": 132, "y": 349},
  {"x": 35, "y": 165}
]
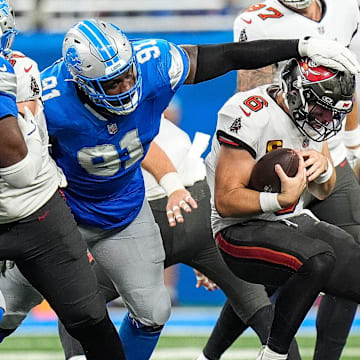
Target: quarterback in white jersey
[
  {"x": 237, "y": 123},
  {"x": 267, "y": 237},
  {"x": 274, "y": 19},
  {"x": 332, "y": 20}
]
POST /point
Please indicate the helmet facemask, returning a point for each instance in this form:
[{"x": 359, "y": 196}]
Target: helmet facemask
[
  {"x": 95, "y": 60},
  {"x": 318, "y": 99},
  {"x": 120, "y": 104}
]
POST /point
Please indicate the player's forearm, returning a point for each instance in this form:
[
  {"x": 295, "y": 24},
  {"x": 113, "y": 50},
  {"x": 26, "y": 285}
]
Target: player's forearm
[
  {"x": 215, "y": 60},
  {"x": 237, "y": 203},
  {"x": 157, "y": 162}
]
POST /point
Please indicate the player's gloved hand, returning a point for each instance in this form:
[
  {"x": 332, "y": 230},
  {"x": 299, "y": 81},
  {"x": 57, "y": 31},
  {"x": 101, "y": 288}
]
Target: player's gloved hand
[
  {"x": 202, "y": 280},
  {"x": 27, "y": 123},
  {"x": 329, "y": 53}
]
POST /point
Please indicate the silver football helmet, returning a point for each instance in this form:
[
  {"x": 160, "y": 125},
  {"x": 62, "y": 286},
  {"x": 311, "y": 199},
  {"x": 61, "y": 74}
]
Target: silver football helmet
[
  {"x": 318, "y": 98},
  {"x": 7, "y": 27},
  {"x": 297, "y": 4},
  {"x": 95, "y": 52}
]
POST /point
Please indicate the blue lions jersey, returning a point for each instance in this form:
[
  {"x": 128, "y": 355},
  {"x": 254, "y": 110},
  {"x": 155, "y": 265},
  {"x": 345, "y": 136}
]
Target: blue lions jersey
[
  {"x": 101, "y": 155},
  {"x": 7, "y": 89}
]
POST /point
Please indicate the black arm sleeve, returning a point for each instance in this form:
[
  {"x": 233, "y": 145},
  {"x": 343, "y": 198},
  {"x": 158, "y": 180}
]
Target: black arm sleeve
[{"x": 217, "y": 60}]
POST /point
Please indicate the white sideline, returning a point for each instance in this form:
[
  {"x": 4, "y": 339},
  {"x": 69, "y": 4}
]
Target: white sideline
[{"x": 167, "y": 354}]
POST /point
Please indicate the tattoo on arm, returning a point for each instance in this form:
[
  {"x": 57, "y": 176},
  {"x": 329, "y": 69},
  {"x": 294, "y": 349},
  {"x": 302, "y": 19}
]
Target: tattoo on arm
[{"x": 249, "y": 79}]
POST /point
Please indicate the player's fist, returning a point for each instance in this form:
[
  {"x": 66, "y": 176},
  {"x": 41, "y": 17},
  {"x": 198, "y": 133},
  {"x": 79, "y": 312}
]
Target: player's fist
[{"x": 329, "y": 53}]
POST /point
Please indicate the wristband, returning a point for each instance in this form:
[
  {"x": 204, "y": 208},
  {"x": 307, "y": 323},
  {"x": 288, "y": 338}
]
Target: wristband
[
  {"x": 171, "y": 182},
  {"x": 269, "y": 202},
  {"x": 325, "y": 176},
  {"x": 352, "y": 137}
]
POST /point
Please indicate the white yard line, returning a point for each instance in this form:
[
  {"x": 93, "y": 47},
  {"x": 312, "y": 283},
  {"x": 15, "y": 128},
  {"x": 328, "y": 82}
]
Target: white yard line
[{"x": 167, "y": 354}]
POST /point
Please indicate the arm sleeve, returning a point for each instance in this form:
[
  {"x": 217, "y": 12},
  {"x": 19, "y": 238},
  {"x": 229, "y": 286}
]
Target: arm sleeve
[
  {"x": 216, "y": 60},
  {"x": 24, "y": 172}
]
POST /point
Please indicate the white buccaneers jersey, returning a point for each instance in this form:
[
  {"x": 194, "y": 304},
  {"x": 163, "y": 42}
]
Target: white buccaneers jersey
[
  {"x": 184, "y": 154},
  {"x": 273, "y": 20},
  {"x": 18, "y": 203},
  {"x": 254, "y": 121}
]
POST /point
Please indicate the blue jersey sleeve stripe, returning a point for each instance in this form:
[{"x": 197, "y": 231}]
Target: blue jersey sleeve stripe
[{"x": 186, "y": 64}]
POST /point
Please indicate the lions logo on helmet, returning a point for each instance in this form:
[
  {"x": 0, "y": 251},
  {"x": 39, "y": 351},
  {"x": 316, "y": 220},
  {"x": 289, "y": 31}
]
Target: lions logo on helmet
[{"x": 73, "y": 59}]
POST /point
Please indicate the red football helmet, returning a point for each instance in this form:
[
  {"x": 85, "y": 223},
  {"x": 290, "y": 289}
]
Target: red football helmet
[{"x": 318, "y": 98}]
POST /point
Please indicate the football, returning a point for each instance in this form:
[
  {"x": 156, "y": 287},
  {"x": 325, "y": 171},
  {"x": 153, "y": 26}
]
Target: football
[{"x": 264, "y": 177}]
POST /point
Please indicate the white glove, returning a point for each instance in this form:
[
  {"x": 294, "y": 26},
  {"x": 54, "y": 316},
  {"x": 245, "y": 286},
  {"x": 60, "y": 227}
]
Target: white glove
[
  {"x": 329, "y": 53},
  {"x": 27, "y": 123}
]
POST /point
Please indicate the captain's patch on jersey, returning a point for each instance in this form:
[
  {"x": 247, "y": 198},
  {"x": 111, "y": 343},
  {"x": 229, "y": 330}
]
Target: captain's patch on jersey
[{"x": 273, "y": 145}]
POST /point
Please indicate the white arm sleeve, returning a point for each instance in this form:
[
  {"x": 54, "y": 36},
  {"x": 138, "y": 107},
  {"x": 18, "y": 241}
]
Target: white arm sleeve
[{"x": 23, "y": 173}]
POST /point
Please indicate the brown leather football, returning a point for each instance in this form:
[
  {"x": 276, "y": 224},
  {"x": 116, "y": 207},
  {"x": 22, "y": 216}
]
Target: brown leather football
[{"x": 264, "y": 177}]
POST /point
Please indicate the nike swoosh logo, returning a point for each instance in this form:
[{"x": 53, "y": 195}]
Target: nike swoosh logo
[
  {"x": 245, "y": 112},
  {"x": 247, "y": 21},
  {"x": 3, "y": 67},
  {"x": 28, "y": 69}
]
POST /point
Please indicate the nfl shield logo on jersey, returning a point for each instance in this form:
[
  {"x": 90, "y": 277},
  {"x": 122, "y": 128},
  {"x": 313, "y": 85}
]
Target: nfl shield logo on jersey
[{"x": 112, "y": 128}]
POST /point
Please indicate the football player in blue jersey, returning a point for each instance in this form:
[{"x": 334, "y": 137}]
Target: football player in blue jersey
[
  {"x": 103, "y": 102},
  {"x": 37, "y": 229}
]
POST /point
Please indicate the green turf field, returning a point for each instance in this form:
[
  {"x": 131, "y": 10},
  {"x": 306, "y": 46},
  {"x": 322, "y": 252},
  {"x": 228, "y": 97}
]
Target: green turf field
[{"x": 169, "y": 348}]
